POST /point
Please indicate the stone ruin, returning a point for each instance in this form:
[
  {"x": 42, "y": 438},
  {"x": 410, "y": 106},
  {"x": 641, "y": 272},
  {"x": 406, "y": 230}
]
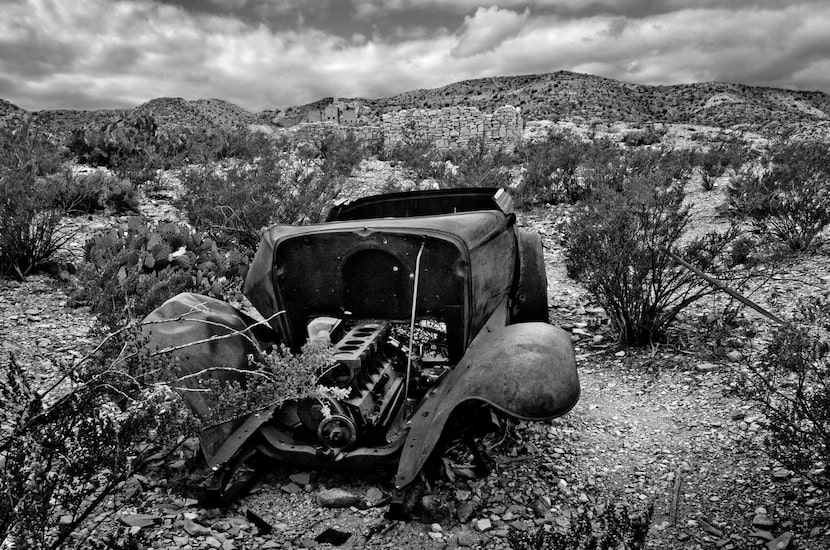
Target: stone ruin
[
  {"x": 447, "y": 128},
  {"x": 453, "y": 127}
]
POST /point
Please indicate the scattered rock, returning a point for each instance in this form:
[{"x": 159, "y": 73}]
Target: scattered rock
[
  {"x": 139, "y": 520},
  {"x": 465, "y": 511},
  {"x": 432, "y": 509},
  {"x": 336, "y": 498},
  {"x": 466, "y": 539},
  {"x": 483, "y": 524},
  {"x": 782, "y": 542},
  {"x": 707, "y": 367},
  {"x": 764, "y": 522},
  {"x": 291, "y": 488},
  {"x": 301, "y": 478},
  {"x": 195, "y": 529},
  {"x": 374, "y": 497},
  {"x": 735, "y": 356}
]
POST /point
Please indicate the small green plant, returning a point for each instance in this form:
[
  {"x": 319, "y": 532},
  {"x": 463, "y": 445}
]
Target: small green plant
[
  {"x": 130, "y": 271},
  {"x": 279, "y": 375},
  {"x": 790, "y": 382},
  {"x": 613, "y": 528},
  {"x": 788, "y": 198}
]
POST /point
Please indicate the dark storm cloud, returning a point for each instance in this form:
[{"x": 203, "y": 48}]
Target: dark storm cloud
[{"x": 271, "y": 53}]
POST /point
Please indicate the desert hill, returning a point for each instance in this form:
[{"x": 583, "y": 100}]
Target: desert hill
[
  {"x": 553, "y": 96},
  {"x": 565, "y": 94}
]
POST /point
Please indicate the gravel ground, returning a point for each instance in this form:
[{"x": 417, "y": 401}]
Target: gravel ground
[{"x": 658, "y": 426}]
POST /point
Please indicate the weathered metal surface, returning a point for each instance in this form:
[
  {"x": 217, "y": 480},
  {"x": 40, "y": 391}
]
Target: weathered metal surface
[
  {"x": 527, "y": 370},
  {"x": 208, "y": 339}
]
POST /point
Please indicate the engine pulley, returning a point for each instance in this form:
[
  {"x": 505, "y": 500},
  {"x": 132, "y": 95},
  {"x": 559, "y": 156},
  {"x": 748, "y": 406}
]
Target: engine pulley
[{"x": 337, "y": 431}]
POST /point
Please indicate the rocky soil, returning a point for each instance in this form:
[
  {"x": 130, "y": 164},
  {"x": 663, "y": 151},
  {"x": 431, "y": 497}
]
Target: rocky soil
[{"x": 659, "y": 426}]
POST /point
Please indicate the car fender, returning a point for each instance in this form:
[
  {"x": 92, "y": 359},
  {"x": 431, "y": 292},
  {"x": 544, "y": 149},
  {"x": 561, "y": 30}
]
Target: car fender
[
  {"x": 205, "y": 338},
  {"x": 527, "y": 370}
]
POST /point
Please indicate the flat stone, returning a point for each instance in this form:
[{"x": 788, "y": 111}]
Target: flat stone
[
  {"x": 466, "y": 539},
  {"x": 195, "y": 529},
  {"x": 782, "y": 542},
  {"x": 336, "y": 498},
  {"x": 374, "y": 497},
  {"x": 483, "y": 524},
  {"x": 465, "y": 511},
  {"x": 763, "y": 522},
  {"x": 301, "y": 478},
  {"x": 707, "y": 367},
  {"x": 761, "y": 534},
  {"x": 781, "y": 473}
]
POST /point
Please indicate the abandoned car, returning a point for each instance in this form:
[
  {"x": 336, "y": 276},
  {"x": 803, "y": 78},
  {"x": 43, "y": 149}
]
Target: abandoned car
[{"x": 429, "y": 301}]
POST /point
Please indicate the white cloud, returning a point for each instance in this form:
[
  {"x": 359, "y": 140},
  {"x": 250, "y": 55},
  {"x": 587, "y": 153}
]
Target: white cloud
[
  {"x": 104, "y": 53},
  {"x": 487, "y": 29},
  {"x": 229, "y": 4}
]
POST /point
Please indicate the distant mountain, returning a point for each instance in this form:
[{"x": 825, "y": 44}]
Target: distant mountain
[
  {"x": 567, "y": 95},
  {"x": 553, "y": 96}
]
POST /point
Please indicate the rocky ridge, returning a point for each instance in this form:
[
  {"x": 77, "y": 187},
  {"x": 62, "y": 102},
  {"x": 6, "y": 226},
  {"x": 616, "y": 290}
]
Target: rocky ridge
[{"x": 554, "y": 96}]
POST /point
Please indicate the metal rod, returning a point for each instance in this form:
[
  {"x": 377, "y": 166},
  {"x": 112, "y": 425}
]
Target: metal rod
[
  {"x": 412, "y": 321},
  {"x": 735, "y": 294}
]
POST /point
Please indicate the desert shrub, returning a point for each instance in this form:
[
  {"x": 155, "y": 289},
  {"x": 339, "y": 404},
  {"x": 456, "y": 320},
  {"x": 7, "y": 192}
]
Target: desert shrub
[
  {"x": 64, "y": 463},
  {"x": 791, "y": 381},
  {"x": 341, "y": 152},
  {"x": 477, "y": 165},
  {"x": 618, "y": 242},
  {"x": 603, "y": 166},
  {"x": 278, "y": 375},
  {"x": 614, "y": 527},
  {"x": 719, "y": 158},
  {"x": 93, "y": 191},
  {"x": 419, "y": 157},
  {"x": 647, "y": 136},
  {"x": 233, "y": 204},
  {"x": 30, "y": 231},
  {"x": 132, "y": 270},
  {"x": 66, "y": 467},
  {"x": 741, "y": 251},
  {"x": 128, "y": 146},
  {"x": 788, "y": 198},
  {"x": 551, "y": 169}
]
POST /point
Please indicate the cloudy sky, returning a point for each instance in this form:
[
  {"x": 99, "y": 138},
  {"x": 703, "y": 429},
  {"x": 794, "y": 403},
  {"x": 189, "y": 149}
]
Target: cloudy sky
[{"x": 264, "y": 54}]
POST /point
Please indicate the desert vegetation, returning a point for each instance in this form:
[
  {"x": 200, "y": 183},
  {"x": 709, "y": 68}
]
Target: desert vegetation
[{"x": 72, "y": 453}]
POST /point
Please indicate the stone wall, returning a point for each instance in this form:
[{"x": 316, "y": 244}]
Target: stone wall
[
  {"x": 453, "y": 127},
  {"x": 313, "y": 131},
  {"x": 447, "y": 128}
]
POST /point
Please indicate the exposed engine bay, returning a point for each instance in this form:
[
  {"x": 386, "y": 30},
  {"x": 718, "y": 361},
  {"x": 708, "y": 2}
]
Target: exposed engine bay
[{"x": 368, "y": 397}]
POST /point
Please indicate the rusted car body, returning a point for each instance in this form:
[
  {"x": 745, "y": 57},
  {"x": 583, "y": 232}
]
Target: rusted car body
[{"x": 448, "y": 265}]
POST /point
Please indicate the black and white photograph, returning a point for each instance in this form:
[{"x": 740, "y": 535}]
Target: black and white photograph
[{"x": 414, "y": 274}]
